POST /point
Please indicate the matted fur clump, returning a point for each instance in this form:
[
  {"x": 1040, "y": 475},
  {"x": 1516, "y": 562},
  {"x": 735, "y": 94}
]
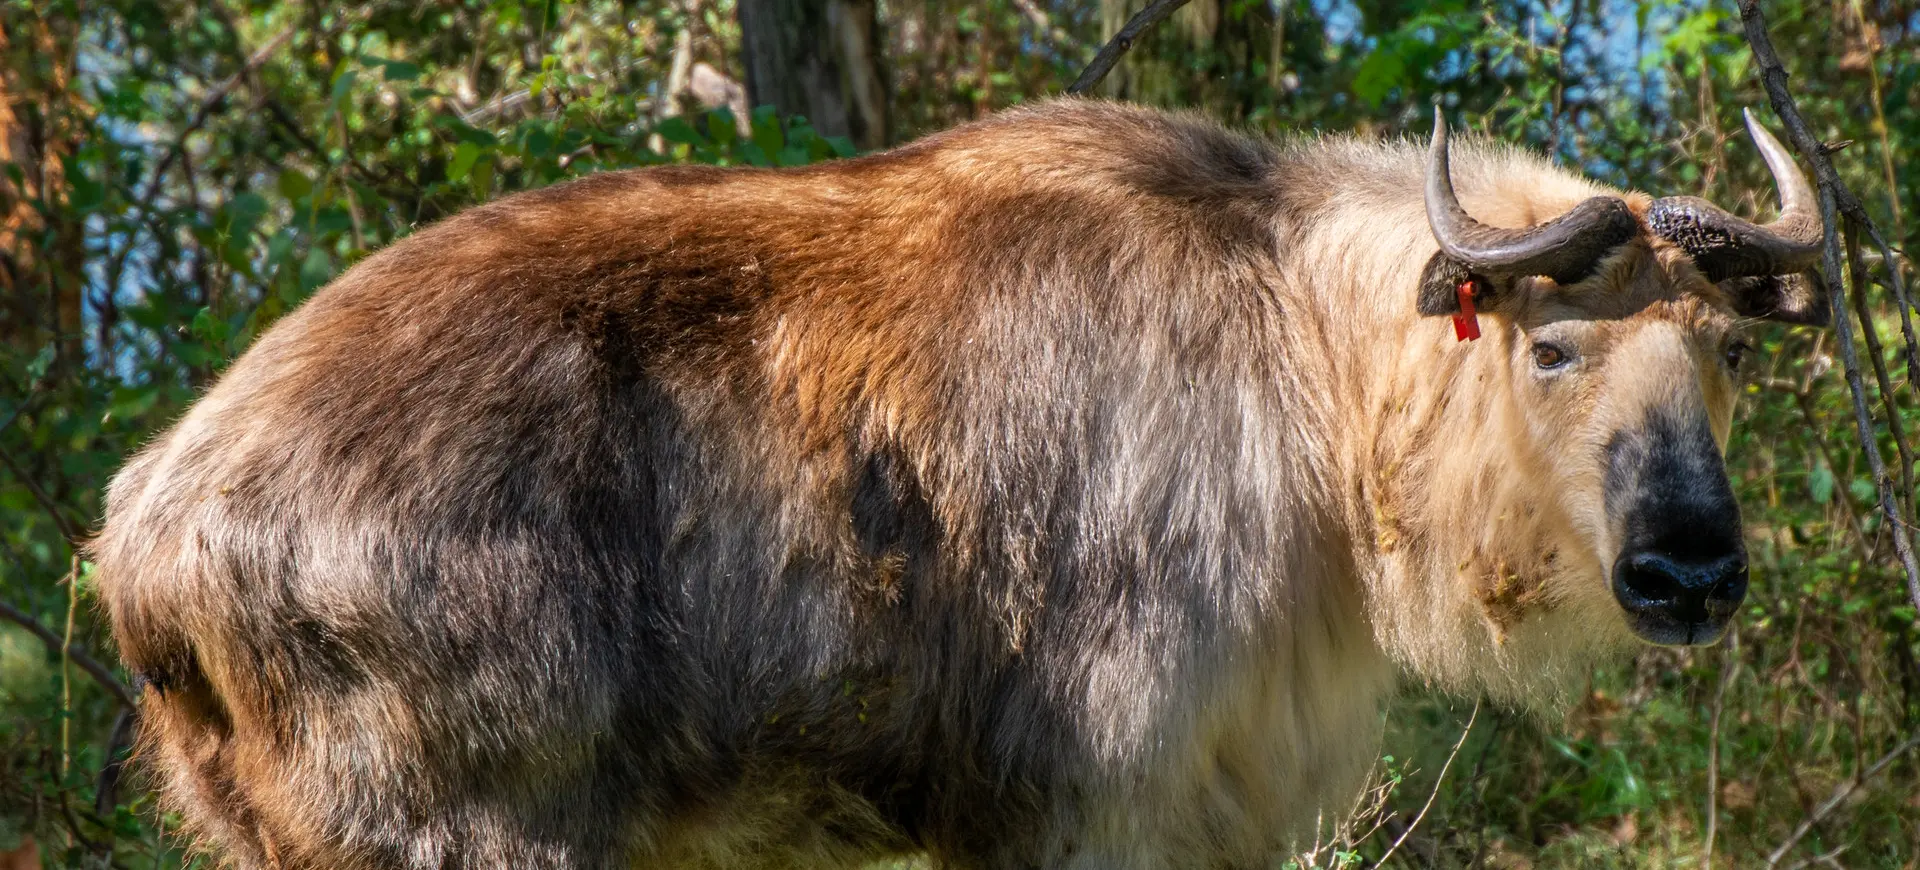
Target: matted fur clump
[{"x": 1067, "y": 489}]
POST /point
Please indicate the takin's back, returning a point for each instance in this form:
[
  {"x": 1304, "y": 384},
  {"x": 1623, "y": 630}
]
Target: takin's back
[{"x": 906, "y": 501}]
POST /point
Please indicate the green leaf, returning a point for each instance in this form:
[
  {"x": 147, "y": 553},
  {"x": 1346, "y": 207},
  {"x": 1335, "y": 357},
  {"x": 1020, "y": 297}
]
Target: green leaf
[
  {"x": 37, "y": 368},
  {"x": 208, "y": 326},
  {"x": 83, "y": 193},
  {"x": 237, "y": 221},
  {"x": 332, "y": 219},
  {"x": 483, "y": 178},
  {"x": 131, "y": 402},
  {"x": 794, "y": 156},
  {"x": 466, "y": 132},
  {"x": 343, "y": 85},
  {"x": 766, "y": 131},
  {"x": 464, "y": 155},
  {"x": 539, "y": 143},
  {"x": 1820, "y": 483},
  {"x": 1382, "y": 71},
  {"x": 315, "y": 270},
  {"x": 295, "y": 185},
  {"x": 400, "y": 70},
  {"x": 722, "y": 128},
  {"x": 1864, "y": 490},
  {"x": 246, "y": 209},
  {"x": 280, "y": 246},
  {"x": 679, "y": 132}
]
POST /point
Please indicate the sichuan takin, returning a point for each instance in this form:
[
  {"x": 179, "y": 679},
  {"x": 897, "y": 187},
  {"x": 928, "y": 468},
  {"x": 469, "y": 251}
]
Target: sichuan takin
[{"x": 1068, "y": 489}]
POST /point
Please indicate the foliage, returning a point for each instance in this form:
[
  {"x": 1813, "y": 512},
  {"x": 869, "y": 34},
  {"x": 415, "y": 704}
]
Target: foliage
[{"x": 196, "y": 169}]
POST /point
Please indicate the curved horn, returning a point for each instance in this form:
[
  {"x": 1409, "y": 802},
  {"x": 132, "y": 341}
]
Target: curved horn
[
  {"x": 1724, "y": 246},
  {"x": 1565, "y": 249}
]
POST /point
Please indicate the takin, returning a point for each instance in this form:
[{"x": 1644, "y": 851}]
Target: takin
[{"x": 1068, "y": 489}]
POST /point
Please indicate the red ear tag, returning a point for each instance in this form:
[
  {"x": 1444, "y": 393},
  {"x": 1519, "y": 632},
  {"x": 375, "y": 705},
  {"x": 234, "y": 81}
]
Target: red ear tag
[{"x": 1466, "y": 324}]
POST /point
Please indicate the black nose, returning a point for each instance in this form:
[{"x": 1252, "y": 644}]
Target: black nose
[{"x": 1680, "y": 600}]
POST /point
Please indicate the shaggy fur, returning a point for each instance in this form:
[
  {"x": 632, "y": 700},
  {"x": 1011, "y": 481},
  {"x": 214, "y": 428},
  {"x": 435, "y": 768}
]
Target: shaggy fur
[{"x": 1067, "y": 490}]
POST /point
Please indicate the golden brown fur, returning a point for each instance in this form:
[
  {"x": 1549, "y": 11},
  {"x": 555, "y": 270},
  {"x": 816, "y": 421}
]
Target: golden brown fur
[{"x": 1067, "y": 489}]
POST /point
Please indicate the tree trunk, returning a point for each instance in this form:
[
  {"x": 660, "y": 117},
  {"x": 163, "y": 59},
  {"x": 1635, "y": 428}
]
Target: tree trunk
[
  {"x": 821, "y": 59},
  {"x": 40, "y": 252}
]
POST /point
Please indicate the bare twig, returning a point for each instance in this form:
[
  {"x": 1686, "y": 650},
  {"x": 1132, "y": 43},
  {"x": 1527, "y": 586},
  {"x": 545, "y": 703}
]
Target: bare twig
[
  {"x": 207, "y": 105},
  {"x": 20, "y": 410},
  {"x": 506, "y": 103},
  {"x": 178, "y": 149},
  {"x": 1369, "y": 808},
  {"x": 72, "y": 581},
  {"x": 1110, "y": 54},
  {"x": 1871, "y": 334},
  {"x": 1729, "y": 662},
  {"x": 1826, "y": 859},
  {"x": 1479, "y": 796},
  {"x": 1835, "y": 200},
  {"x": 68, "y": 528},
  {"x": 73, "y": 824},
  {"x": 1840, "y": 794},
  {"x": 101, "y": 673},
  {"x": 1897, "y": 282},
  {"x": 106, "y": 792},
  {"x": 1439, "y": 781},
  {"x": 357, "y": 223}
]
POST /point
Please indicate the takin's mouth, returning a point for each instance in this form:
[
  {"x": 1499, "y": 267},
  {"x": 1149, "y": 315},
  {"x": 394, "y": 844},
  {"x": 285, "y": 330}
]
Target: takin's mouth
[
  {"x": 1661, "y": 629},
  {"x": 1678, "y": 603}
]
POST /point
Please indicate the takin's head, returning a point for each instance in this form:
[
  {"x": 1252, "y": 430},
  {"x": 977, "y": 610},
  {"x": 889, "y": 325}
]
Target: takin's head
[{"x": 1626, "y": 351}]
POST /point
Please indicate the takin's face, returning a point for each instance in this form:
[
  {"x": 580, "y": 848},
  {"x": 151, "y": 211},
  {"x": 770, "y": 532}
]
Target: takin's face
[
  {"x": 1629, "y": 350},
  {"x": 1630, "y": 379}
]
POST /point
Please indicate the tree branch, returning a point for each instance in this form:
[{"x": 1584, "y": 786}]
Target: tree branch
[
  {"x": 1835, "y": 200},
  {"x": 106, "y": 792},
  {"x": 1871, "y": 333},
  {"x": 1729, "y": 663},
  {"x": 1840, "y": 794},
  {"x": 1437, "y": 782},
  {"x": 71, "y": 531},
  {"x": 101, "y": 673},
  {"x": 207, "y": 105},
  {"x": 1110, "y": 54},
  {"x": 178, "y": 149}
]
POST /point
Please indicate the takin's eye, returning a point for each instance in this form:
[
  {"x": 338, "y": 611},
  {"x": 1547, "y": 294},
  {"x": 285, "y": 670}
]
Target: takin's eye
[
  {"x": 1547, "y": 356},
  {"x": 1736, "y": 354}
]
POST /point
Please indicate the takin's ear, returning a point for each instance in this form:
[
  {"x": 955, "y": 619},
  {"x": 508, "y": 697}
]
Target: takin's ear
[
  {"x": 1781, "y": 298},
  {"x": 1440, "y": 286}
]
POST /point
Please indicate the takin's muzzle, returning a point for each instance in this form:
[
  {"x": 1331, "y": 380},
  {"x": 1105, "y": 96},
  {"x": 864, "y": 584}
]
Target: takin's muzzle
[{"x": 1682, "y": 568}]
